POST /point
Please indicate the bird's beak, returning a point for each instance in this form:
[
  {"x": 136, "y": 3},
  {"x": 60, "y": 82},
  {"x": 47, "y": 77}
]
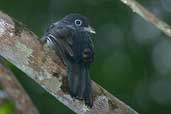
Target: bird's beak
[{"x": 90, "y": 29}]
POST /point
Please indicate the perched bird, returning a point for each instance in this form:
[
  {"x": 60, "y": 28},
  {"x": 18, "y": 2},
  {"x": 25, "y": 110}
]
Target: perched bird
[{"x": 70, "y": 38}]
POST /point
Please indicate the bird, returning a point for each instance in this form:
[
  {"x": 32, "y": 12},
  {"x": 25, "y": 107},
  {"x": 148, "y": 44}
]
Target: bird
[{"x": 71, "y": 39}]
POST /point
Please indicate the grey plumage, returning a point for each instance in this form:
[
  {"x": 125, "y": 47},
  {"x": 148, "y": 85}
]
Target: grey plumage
[{"x": 70, "y": 38}]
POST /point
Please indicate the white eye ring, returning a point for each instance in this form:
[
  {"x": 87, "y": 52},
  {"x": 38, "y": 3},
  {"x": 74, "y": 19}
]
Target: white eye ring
[{"x": 78, "y": 22}]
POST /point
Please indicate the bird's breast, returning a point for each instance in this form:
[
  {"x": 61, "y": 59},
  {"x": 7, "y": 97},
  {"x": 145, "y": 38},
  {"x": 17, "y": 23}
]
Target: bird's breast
[{"x": 81, "y": 47}]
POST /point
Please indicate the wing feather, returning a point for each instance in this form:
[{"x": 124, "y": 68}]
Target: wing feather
[{"x": 61, "y": 37}]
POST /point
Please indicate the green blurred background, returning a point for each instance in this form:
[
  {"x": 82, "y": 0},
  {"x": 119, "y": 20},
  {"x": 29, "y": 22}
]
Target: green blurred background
[{"x": 133, "y": 58}]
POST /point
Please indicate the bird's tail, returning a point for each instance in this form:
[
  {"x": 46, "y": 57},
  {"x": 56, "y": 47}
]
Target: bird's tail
[{"x": 80, "y": 83}]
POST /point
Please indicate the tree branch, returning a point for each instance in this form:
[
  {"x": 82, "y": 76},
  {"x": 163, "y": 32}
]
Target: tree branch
[
  {"x": 148, "y": 16},
  {"x": 22, "y": 48},
  {"x": 15, "y": 92}
]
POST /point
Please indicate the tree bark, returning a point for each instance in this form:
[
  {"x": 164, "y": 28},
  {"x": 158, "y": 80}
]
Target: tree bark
[{"x": 15, "y": 92}]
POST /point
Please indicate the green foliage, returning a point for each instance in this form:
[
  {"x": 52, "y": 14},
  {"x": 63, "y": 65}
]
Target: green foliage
[{"x": 7, "y": 108}]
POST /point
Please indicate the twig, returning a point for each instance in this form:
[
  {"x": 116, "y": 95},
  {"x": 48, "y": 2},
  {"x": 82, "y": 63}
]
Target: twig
[
  {"x": 21, "y": 47},
  {"x": 148, "y": 16},
  {"x": 15, "y": 92}
]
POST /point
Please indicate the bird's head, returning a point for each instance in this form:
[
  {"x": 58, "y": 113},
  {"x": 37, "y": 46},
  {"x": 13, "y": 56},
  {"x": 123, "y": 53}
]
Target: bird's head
[{"x": 78, "y": 22}]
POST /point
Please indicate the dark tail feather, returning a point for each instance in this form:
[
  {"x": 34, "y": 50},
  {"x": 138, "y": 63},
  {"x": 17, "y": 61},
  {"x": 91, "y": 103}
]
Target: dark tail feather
[
  {"x": 80, "y": 83},
  {"x": 88, "y": 91}
]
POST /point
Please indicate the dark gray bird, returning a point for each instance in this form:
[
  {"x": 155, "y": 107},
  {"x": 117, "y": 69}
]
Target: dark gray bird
[{"x": 70, "y": 38}]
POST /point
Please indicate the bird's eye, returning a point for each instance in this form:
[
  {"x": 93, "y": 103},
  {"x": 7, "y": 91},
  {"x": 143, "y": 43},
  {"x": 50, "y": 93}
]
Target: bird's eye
[{"x": 78, "y": 22}]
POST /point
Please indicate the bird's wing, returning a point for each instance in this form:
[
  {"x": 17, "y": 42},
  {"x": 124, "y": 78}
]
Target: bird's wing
[{"x": 61, "y": 37}]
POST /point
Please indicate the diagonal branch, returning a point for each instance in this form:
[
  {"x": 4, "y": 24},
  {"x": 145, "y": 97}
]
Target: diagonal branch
[
  {"x": 148, "y": 16},
  {"x": 15, "y": 92},
  {"x": 21, "y": 47}
]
